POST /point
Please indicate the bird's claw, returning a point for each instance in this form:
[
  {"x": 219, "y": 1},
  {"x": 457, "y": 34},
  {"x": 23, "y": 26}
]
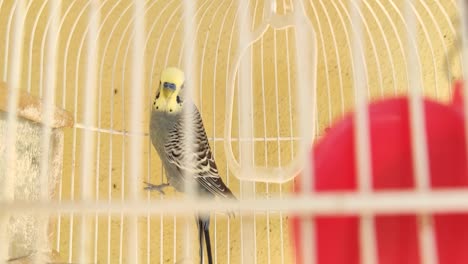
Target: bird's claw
[
  {"x": 153, "y": 187},
  {"x": 230, "y": 214}
]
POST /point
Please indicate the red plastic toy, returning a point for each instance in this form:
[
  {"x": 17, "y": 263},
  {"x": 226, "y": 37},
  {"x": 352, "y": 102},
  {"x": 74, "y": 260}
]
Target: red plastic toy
[{"x": 392, "y": 168}]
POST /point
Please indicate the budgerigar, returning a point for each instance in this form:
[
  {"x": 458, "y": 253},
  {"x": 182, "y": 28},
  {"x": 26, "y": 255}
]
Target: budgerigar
[{"x": 169, "y": 139}]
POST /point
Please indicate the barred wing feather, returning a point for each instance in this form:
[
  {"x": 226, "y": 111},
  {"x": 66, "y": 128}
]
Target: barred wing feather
[{"x": 195, "y": 159}]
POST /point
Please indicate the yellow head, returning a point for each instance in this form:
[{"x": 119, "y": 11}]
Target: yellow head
[{"x": 168, "y": 96}]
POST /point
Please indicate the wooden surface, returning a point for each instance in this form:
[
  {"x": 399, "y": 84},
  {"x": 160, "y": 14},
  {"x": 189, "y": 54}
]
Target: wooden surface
[{"x": 31, "y": 108}]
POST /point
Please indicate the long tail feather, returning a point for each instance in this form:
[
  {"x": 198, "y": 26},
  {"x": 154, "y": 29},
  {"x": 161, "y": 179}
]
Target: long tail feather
[
  {"x": 200, "y": 237},
  {"x": 208, "y": 245}
]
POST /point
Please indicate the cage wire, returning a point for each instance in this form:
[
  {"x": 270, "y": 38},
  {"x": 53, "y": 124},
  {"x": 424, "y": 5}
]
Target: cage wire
[{"x": 268, "y": 78}]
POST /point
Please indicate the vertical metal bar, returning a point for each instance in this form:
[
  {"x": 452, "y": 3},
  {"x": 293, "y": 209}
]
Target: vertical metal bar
[
  {"x": 252, "y": 131},
  {"x": 215, "y": 71},
  {"x": 190, "y": 73},
  {"x": 251, "y": 106},
  {"x": 136, "y": 113},
  {"x": 96, "y": 252},
  {"x": 122, "y": 191},
  {"x": 265, "y": 144},
  {"x": 245, "y": 87},
  {"x": 463, "y": 6},
  {"x": 362, "y": 136},
  {"x": 418, "y": 134},
  {"x": 111, "y": 147},
  {"x": 42, "y": 241},
  {"x": 245, "y": 127},
  {"x": 291, "y": 130},
  {"x": 227, "y": 92},
  {"x": 89, "y": 120},
  {"x": 9, "y": 158},
  {"x": 110, "y": 164},
  {"x": 148, "y": 176},
  {"x": 305, "y": 84}
]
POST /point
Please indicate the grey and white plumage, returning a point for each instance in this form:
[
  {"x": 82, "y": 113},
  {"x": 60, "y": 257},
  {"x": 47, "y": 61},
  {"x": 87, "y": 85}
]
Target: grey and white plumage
[
  {"x": 197, "y": 161},
  {"x": 183, "y": 160}
]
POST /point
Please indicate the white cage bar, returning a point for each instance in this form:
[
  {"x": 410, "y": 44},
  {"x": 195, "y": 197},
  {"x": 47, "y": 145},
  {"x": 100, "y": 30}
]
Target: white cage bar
[{"x": 261, "y": 106}]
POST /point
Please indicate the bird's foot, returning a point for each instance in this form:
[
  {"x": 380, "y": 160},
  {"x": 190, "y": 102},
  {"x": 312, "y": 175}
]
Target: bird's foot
[
  {"x": 153, "y": 187},
  {"x": 231, "y": 214}
]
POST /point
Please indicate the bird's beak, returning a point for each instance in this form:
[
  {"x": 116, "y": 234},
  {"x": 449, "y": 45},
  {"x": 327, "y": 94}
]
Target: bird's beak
[{"x": 169, "y": 86}]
